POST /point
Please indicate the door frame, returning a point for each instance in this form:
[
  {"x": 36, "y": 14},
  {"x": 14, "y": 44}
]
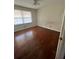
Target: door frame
[{"x": 60, "y": 53}]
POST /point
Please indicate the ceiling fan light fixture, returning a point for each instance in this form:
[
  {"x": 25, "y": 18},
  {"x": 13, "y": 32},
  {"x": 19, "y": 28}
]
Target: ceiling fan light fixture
[{"x": 36, "y": 2}]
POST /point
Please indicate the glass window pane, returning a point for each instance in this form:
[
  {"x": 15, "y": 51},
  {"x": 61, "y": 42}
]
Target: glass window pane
[
  {"x": 27, "y": 20},
  {"x": 26, "y": 14},
  {"x": 18, "y": 17},
  {"x": 17, "y": 13},
  {"x": 18, "y": 20},
  {"x": 27, "y": 17}
]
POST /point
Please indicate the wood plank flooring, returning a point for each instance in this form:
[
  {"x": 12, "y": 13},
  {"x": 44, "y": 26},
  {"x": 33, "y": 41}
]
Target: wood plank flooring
[{"x": 35, "y": 43}]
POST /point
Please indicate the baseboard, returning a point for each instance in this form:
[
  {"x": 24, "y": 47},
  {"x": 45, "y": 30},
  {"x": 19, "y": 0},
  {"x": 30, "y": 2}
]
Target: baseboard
[{"x": 48, "y": 28}]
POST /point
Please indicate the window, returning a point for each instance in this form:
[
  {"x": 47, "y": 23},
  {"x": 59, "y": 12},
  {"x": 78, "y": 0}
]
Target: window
[
  {"x": 27, "y": 17},
  {"x": 22, "y": 17}
]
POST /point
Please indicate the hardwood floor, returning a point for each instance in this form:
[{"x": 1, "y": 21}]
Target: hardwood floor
[{"x": 35, "y": 43}]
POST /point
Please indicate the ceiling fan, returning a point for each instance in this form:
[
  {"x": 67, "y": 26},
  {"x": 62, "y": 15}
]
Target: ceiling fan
[{"x": 36, "y": 2}]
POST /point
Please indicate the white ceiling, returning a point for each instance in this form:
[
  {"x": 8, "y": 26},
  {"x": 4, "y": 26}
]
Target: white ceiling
[{"x": 29, "y": 3}]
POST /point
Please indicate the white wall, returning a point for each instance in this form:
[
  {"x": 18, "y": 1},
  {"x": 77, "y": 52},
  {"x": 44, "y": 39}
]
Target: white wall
[
  {"x": 50, "y": 15},
  {"x": 34, "y": 18}
]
